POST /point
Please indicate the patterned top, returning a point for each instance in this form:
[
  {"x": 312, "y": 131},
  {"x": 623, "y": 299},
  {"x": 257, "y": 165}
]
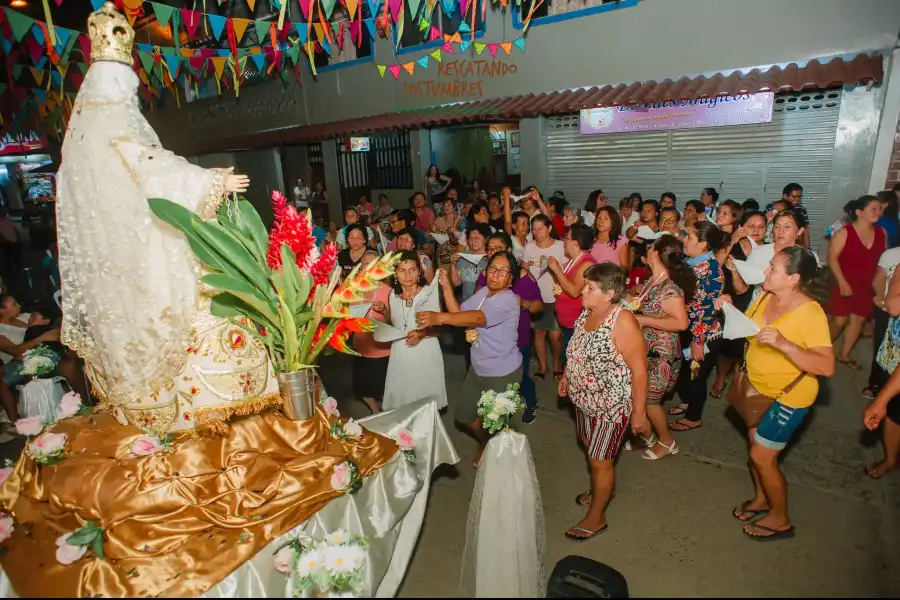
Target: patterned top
[
  {"x": 599, "y": 380},
  {"x": 705, "y": 324},
  {"x": 661, "y": 344}
]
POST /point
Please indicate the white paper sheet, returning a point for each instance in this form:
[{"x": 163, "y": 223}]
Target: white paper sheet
[
  {"x": 472, "y": 258},
  {"x": 749, "y": 271},
  {"x": 359, "y": 311},
  {"x": 383, "y": 243},
  {"x": 645, "y": 233},
  {"x": 440, "y": 238},
  {"x": 737, "y": 324},
  {"x": 385, "y": 333}
]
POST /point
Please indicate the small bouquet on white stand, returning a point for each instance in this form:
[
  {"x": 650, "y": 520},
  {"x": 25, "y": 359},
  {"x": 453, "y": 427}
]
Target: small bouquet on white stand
[{"x": 504, "y": 554}]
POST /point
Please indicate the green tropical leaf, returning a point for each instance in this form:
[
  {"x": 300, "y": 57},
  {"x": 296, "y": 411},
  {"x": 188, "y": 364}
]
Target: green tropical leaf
[
  {"x": 180, "y": 218},
  {"x": 227, "y": 305},
  {"x": 250, "y": 225},
  {"x": 323, "y": 340},
  {"x": 222, "y": 241},
  {"x": 241, "y": 288},
  {"x": 97, "y": 546}
]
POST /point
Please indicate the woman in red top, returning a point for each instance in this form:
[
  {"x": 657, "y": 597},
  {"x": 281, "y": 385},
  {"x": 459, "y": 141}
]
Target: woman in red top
[
  {"x": 570, "y": 280},
  {"x": 853, "y": 259}
]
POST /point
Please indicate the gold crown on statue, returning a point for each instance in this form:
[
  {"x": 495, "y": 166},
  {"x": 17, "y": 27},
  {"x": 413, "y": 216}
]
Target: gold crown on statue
[{"x": 111, "y": 36}]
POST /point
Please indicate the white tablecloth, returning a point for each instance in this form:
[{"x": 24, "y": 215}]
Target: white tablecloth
[
  {"x": 40, "y": 398},
  {"x": 388, "y": 510}
]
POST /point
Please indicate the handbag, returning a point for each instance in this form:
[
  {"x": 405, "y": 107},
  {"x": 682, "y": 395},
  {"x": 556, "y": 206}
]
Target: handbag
[{"x": 749, "y": 403}]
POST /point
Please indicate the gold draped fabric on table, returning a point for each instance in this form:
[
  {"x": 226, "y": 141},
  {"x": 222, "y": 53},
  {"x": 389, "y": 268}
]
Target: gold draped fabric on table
[{"x": 175, "y": 523}]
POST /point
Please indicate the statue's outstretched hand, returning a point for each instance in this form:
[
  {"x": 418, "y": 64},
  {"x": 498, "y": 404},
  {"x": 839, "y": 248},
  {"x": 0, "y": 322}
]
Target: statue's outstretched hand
[{"x": 236, "y": 183}]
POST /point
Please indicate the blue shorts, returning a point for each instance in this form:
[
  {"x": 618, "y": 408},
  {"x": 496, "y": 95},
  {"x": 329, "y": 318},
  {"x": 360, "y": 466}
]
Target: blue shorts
[{"x": 778, "y": 425}]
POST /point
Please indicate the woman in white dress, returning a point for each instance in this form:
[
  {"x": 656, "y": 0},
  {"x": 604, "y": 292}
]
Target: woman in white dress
[{"x": 416, "y": 369}]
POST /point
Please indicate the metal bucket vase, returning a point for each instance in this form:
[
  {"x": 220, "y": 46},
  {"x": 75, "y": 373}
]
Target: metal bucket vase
[{"x": 298, "y": 392}]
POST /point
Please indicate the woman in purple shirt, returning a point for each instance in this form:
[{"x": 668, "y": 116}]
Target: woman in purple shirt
[
  {"x": 491, "y": 316},
  {"x": 526, "y": 288}
]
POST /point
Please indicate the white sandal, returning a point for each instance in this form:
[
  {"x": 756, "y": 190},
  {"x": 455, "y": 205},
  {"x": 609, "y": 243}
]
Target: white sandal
[
  {"x": 650, "y": 442},
  {"x": 648, "y": 455}
]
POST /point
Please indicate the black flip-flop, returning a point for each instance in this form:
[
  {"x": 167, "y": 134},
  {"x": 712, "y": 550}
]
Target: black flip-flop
[
  {"x": 580, "y": 499},
  {"x": 677, "y": 411},
  {"x": 742, "y": 509},
  {"x": 578, "y": 538},
  {"x": 784, "y": 534},
  {"x": 539, "y": 376},
  {"x": 557, "y": 375}
]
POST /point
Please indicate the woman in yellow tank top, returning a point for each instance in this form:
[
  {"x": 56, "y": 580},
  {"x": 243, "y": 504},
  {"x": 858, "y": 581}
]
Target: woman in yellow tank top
[{"x": 793, "y": 340}]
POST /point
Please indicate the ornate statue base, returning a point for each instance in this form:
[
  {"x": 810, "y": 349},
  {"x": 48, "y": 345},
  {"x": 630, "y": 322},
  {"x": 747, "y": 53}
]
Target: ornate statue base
[{"x": 207, "y": 517}]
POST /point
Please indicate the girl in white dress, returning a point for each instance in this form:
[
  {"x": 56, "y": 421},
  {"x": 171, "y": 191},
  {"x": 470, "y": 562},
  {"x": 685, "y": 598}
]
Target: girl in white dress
[{"x": 416, "y": 369}]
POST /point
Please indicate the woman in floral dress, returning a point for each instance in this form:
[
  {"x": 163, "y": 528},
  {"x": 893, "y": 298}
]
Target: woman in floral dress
[
  {"x": 606, "y": 378},
  {"x": 662, "y": 316}
]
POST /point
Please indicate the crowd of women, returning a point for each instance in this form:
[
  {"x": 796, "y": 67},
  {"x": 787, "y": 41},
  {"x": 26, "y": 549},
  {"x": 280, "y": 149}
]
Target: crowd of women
[{"x": 624, "y": 308}]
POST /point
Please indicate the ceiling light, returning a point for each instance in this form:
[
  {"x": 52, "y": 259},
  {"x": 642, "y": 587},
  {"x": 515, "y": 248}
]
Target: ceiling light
[{"x": 19, "y": 3}]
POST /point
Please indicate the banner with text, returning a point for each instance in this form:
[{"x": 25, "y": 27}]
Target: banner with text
[{"x": 742, "y": 109}]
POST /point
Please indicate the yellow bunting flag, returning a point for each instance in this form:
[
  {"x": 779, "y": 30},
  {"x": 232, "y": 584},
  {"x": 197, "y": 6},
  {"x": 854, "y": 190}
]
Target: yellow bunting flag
[
  {"x": 455, "y": 38},
  {"x": 320, "y": 31},
  {"x": 252, "y": 4},
  {"x": 436, "y": 55},
  {"x": 219, "y": 65},
  {"x": 351, "y": 8},
  {"x": 479, "y": 48},
  {"x": 38, "y": 75},
  {"x": 188, "y": 52},
  {"x": 381, "y": 70},
  {"x": 409, "y": 67},
  {"x": 507, "y": 47},
  {"x": 281, "y": 14},
  {"x": 143, "y": 75},
  {"x": 240, "y": 26}
]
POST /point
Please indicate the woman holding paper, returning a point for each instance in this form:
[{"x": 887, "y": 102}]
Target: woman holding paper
[
  {"x": 662, "y": 316},
  {"x": 752, "y": 227},
  {"x": 491, "y": 319},
  {"x": 537, "y": 254},
  {"x": 792, "y": 348},
  {"x": 416, "y": 368},
  {"x": 465, "y": 267},
  {"x": 370, "y": 367},
  {"x": 703, "y": 241}
]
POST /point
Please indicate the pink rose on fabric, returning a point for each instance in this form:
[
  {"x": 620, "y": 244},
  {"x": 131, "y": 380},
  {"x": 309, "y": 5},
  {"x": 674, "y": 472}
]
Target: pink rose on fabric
[
  {"x": 284, "y": 558},
  {"x": 49, "y": 443},
  {"x": 6, "y": 528},
  {"x": 69, "y": 406},
  {"x": 341, "y": 477},
  {"x": 30, "y": 426},
  {"x": 145, "y": 445},
  {"x": 4, "y": 475},
  {"x": 405, "y": 440},
  {"x": 66, "y": 553},
  {"x": 329, "y": 405}
]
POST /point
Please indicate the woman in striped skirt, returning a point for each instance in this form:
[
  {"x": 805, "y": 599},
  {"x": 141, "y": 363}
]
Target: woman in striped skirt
[{"x": 606, "y": 378}]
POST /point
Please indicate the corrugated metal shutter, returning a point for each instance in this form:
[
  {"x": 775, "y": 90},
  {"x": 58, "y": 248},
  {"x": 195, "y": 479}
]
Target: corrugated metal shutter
[{"x": 749, "y": 161}]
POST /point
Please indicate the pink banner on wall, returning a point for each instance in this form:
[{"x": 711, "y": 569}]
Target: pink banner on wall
[{"x": 742, "y": 109}]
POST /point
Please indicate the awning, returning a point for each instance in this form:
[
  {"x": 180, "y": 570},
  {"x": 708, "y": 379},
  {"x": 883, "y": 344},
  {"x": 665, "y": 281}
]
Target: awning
[{"x": 816, "y": 74}]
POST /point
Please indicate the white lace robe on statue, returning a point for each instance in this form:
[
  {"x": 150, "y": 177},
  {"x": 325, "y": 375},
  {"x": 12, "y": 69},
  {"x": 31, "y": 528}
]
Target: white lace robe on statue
[{"x": 129, "y": 283}]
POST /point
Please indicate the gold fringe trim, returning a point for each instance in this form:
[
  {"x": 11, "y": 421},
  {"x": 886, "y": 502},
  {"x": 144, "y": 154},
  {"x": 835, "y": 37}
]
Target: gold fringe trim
[{"x": 216, "y": 419}]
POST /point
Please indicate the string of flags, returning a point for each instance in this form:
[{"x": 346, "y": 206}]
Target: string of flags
[{"x": 449, "y": 40}]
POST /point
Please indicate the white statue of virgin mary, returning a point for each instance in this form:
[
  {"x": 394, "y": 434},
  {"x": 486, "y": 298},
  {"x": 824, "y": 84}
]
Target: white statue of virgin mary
[{"x": 131, "y": 303}]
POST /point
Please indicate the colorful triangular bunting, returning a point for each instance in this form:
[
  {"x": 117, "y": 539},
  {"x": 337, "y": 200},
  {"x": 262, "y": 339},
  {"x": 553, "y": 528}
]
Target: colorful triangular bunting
[
  {"x": 464, "y": 27},
  {"x": 409, "y": 67},
  {"x": 218, "y": 25},
  {"x": 370, "y": 25},
  {"x": 507, "y": 47},
  {"x": 172, "y": 61},
  {"x": 147, "y": 60},
  {"x": 163, "y": 12},
  {"x": 395, "y": 70},
  {"x": 424, "y": 24},
  {"x": 191, "y": 20},
  {"x": 493, "y": 49},
  {"x": 423, "y": 61},
  {"x": 262, "y": 29},
  {"x": 259, "y": 60},
  {"x": 38, "y": 34},
  {"x": 435, "y": 34},
  {"x": 381, "y": 70},
  {"x": 436, "y": 55},
  {"x": 465, "y": 46},
  {"x": 240, "y": 26},
  {"x": 97, "y": 4},
  {"x": 479, "y": 48},
  {"x": 301, "y": 32},
  {"x": 20, "y": 24},
  {"x": 520, "y": 44}
]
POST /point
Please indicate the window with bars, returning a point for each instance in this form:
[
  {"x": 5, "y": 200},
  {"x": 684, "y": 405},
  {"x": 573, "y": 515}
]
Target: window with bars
[{"x": 386, "y": 166}]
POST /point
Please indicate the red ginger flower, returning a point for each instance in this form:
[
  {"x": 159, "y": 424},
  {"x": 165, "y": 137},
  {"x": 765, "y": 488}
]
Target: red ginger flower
[
  {"x": 321, "y": 270},
  {"x": 293, "y": 229}
]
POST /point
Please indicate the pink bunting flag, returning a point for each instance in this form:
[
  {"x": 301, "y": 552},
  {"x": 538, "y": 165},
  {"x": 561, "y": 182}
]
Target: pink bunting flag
[
  {"x": 76, "y": 79},
  {"x": 304, "y": 8},
  {"x": 463, "y": 5},
  {"x": 354, "y": 31},
  {"x": 58, "y": 2},
  {"x": 395, "y": 70},
  {"x": 207, "y": 52},
  {"x": 435, "y": 34},
  {"x": 493, "y": 48},
  {"x": 34, "y": 49},
  {"x": 197, "y": 62},
  {"x": 396, "y": 7},
  {"x": 191, "y": 20},
  {"x": 85, "y": 42},
  {"x": 447, "y": 47}
]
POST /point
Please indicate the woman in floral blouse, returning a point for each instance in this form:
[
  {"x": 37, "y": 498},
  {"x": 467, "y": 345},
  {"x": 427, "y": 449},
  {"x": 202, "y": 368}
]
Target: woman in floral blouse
[{"x": 703, "y": 240}]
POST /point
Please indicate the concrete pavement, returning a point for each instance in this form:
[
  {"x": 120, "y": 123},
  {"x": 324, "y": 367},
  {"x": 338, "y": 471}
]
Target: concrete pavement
[{"x": 671, "y": 531}]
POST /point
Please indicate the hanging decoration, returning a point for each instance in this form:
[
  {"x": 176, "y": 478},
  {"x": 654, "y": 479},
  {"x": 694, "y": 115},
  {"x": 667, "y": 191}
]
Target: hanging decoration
[{"x": 449, "y": 40}]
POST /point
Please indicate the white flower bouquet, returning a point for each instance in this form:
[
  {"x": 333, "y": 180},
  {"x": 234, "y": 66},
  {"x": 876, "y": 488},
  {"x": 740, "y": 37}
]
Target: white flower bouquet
[
  {"x": 496, "y": 409},
  {"x": 345, "y": 478},
  {"x": 351, "y": 430},
  {"x": 40, "y": 361},
  {"x": 331, "y": 566}
]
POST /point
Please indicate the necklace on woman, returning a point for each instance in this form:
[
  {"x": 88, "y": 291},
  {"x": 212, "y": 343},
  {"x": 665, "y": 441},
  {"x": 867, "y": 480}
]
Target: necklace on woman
[
  {"x": 557, "y": 289},
  {"x": 408, "y": 304}
]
